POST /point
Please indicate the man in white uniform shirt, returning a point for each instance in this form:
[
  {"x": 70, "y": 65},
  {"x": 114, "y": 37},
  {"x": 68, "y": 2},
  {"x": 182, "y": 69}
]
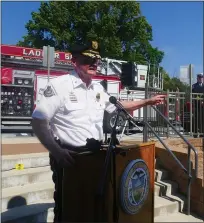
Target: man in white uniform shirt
[
  {"x": 72, "y": 106},
  {"x": 70, "y": 111}
]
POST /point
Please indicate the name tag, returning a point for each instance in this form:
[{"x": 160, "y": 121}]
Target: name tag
[{"x": 73, "y": 97}]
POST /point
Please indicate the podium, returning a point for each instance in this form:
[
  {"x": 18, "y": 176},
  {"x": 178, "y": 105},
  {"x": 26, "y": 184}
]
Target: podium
[{"x": 134, "y": 185}]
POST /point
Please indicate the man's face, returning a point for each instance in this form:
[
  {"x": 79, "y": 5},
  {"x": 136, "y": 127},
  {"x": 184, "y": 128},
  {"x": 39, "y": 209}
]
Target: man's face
[
  {"x": 86, "y": 66},
  {"x": 200, "y": 79}
]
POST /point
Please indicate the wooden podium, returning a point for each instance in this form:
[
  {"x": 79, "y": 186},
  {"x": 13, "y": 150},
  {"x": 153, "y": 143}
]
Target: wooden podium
[{"x": 134, "y": 182}]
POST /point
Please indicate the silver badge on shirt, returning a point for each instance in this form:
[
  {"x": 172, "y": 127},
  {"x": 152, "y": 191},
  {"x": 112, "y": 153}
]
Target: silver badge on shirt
[{"x": 98, "y": 97}]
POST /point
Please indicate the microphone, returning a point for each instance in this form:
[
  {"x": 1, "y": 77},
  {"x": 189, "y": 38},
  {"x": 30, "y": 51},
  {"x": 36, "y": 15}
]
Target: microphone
[{"x": 113, "y": 100}]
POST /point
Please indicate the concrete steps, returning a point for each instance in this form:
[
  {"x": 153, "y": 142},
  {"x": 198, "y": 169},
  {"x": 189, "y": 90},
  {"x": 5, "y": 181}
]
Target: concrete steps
[
  {"x": 177, "y": 217},
  {"x": 31, "y": 160},
  {"x": 164, "y": 207},
  {"x": 169, "y": 204},
  {"x": 14, "y": 177},
  {"x": 27, "y": 195}
]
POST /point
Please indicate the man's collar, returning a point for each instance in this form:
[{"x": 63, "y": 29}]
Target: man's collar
[{"x": 76, "y": 80}]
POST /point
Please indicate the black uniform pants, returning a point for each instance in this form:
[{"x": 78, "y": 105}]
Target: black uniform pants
[
  {"x": 57, "y": 175},
  {"x": 198, "y": 116},
  {"x": 57, "y": 178}
]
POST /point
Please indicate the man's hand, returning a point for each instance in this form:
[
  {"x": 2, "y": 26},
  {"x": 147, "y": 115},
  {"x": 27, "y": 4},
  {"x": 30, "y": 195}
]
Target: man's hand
[
  {"x": 158, "y": 99},
  {"x": 64, "y": 157},
  {"x": 134, "y": 105}
]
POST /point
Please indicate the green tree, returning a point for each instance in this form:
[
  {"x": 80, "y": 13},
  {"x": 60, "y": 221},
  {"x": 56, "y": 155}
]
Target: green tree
[
  {"x": 119, "y": 27},
  {"x": 173, "y": 84},
  {"x": 177, "y": 84},
  {"x": 166, "y": 81}
]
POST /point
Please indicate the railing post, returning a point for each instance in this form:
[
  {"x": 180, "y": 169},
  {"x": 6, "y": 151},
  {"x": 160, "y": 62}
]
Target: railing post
[
  {"x": 189, "y": 182},
  {"x": 191, "y": 99},
  {"x": 191, "y": 113},
  {"x": 145, "y": 130},
  {"x": 167, "y": 112},
  {"x": 203, "y": 122},
  {"x": 177, "y": 107}
]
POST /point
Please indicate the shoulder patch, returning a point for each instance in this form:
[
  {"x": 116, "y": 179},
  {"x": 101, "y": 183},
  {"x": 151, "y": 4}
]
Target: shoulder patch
[{"x": 49, "y": 92}]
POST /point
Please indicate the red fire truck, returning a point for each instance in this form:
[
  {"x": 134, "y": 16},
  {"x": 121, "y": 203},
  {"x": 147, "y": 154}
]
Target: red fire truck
[{"x": 23, "y": 77}]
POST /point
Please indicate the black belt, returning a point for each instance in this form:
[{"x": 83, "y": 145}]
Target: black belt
[
  {"x": 80, "y": 150},
  {"x": 92, "y": 146}
]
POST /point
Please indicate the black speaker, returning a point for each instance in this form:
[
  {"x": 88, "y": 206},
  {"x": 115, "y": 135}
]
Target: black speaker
[{"x": 128, "y": 74}]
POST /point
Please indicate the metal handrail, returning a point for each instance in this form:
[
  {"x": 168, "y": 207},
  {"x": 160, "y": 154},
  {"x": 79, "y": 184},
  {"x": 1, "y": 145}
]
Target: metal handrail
[
  {"x": 182, "y": 137},
  {"x": 166, "y": 147},
  {"x": 190, "y": 147}
]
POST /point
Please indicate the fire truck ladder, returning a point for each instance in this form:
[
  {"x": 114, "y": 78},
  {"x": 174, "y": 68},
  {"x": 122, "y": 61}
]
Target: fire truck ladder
[{"x": 110, "y": 66}]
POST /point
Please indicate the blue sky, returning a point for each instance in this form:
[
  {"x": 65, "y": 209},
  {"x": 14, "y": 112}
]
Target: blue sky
[{"x": 177, "y": 29}]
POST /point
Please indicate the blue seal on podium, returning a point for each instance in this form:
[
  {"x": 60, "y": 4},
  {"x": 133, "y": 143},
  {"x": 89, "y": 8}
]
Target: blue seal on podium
[{"x": 134, "y": 186}]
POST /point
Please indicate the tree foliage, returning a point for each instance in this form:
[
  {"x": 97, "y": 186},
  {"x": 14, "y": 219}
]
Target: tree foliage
[
  {"x": 119, "y": 27},
  {"x": 173, "y": 84}
]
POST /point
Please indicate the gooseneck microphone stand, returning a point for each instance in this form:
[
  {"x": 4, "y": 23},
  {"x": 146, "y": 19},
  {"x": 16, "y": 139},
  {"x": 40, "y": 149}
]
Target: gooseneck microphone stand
[
  {"x": 100, "y": 194},
  {"x": 110, "y": 156},
  {"x": 119, "y": 106}
]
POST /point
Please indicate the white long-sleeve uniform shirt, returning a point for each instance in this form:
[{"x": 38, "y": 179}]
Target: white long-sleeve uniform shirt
[{"x": 75, "y": 112}]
